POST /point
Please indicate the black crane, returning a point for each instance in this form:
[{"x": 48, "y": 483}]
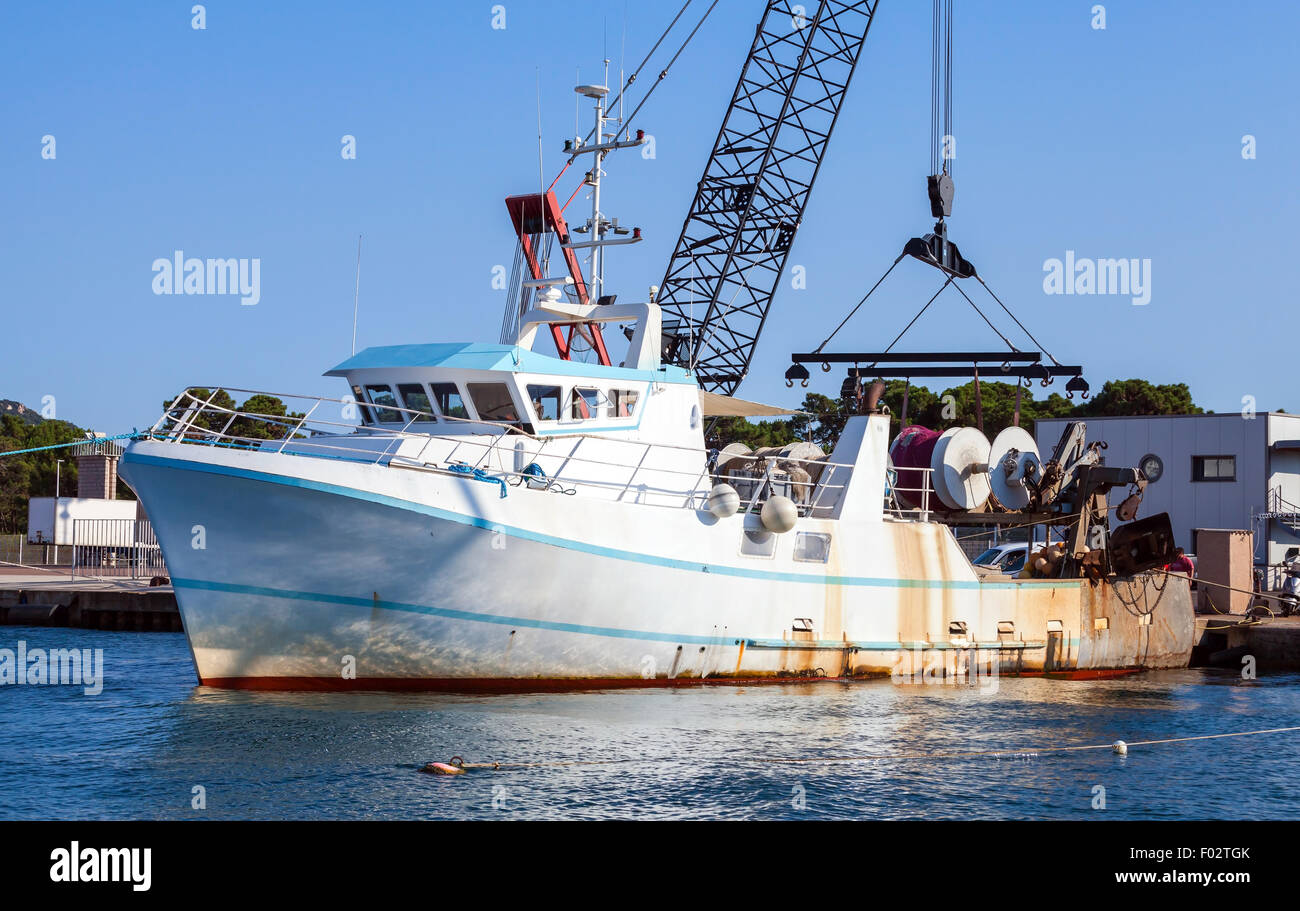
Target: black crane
[{"x": 724, "y": 271}]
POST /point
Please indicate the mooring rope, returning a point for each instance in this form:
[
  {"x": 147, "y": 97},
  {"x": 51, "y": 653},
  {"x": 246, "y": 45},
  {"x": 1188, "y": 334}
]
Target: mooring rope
[
  {"x": 1246, "y": 620},
  {"x": 83, "y": 442},
  {"x": 457, "y": 764}
]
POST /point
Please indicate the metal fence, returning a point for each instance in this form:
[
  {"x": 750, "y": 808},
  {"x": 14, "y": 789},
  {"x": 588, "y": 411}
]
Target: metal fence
[
  {"x": 975, "y": 545},
  {"x": 117, "y": 548},
  {"x": 16, "y": 550}
]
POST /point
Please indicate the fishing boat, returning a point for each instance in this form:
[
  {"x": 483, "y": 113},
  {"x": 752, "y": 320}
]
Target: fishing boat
[
  {"x": 493, "y": 516},
  {"x": 520, "y": 521}
]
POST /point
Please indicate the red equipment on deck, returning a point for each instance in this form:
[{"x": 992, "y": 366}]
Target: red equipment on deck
[{"x": 535, "y": 214}]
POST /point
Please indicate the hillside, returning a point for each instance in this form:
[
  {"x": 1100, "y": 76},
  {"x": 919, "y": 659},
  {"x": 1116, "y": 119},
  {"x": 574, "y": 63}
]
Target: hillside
[{"x": 20, "y": 411}]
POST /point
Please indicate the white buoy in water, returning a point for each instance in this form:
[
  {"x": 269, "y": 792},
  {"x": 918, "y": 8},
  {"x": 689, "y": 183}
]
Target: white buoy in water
[
  {"x": 724, "y": 501},
  {"x": 1120, "y": 748},
  {"x": 779, "y": 514}
]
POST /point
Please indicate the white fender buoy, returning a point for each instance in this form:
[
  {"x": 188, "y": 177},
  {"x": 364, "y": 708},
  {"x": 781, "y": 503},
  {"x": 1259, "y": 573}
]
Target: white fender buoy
[
  {"x": 1120, "y": 748},
  {"x": 779, "y": 514},
  {"x": 723, "y": 501}
]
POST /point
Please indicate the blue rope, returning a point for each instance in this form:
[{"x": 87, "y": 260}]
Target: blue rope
[
  {"x": 478, "y": 474},
  {"x": 134, "y": 434}
]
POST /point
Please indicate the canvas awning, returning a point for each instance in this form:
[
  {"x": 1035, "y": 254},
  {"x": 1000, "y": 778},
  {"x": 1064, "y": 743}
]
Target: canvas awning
[{"x": 726, "y": 406}]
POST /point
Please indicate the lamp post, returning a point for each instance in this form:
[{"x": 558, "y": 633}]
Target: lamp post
[{"x": 58, "y": 466}]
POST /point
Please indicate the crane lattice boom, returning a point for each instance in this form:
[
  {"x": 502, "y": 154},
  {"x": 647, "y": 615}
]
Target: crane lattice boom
[{"x": 729, "y": 259}]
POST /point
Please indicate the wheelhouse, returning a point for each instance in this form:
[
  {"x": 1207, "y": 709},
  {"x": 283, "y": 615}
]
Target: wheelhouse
[{"x": 473, "y": 388}]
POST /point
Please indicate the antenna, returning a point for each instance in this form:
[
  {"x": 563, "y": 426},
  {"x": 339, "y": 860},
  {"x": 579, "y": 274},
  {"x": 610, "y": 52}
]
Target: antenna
[
  {"x": 356, "y": 296},
  {"x": 541, "y": 174},
  {"x": 622, "y": 53}
]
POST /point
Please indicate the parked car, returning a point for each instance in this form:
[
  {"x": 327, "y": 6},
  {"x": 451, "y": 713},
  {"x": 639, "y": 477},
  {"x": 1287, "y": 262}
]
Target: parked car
[{"x": 1008, "y": 558}]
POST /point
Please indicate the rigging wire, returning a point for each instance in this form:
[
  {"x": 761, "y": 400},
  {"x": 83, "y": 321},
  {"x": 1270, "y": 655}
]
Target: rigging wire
[
  {"x": 940, "y": 86},
  {"x": 1039, "y": 344},
  {"x": 947, "y": 91},
  {"x": 664, "y": 73},
  {"x": 934, "y": 90},
  {"x": 985, "y": 318},
  {"x": 914, "y": 319},
  {"x": 631, "y": 80},
  {"x": 859, "y": 304}
]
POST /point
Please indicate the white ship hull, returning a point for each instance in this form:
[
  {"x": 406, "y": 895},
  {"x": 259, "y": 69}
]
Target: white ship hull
[{"x": 304, "y": 572}]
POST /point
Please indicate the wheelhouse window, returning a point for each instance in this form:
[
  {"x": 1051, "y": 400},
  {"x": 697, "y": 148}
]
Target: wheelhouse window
[
  {"x": 586, "y": 404},
  {"x": 1214, "y": 468},
  {"x": 493, "y": 402},
  {"x": 416, "y": 399},
  {"x": 448, "y": 399},
  {"x": 546, "y": 401},
  {"x": 384, "y": 401},
  {"x": 359, "y": 396},
  {"x": 622, "y": 403}
]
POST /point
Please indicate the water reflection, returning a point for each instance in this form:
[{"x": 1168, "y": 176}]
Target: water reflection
[{"x": 140, "y": 748}]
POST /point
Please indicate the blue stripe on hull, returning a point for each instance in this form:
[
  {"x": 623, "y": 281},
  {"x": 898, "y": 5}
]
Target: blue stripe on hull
[
  {"x": 582, "y": 629},
  {"x": 568, "y": 544}
]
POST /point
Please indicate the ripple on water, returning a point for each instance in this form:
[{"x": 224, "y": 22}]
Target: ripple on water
[{"x": 139, "y": 748}]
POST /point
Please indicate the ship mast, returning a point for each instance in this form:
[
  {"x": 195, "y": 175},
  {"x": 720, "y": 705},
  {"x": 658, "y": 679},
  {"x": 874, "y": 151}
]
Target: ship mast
[{"x": 598, "y": 226}]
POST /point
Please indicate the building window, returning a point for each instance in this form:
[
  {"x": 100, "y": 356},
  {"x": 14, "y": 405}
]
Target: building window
[
  {"x": 384, "y": 401},
  {"x": 1214, "y": 468},
  {"x": 586, "y": 404},
  {"x": 447, "y": 397},
  {"x": 416, "y": 399},
  {"x": 546, "y": 402},
  {"x": 622, "y": 402},
  {"x": 492, "y": 401}
]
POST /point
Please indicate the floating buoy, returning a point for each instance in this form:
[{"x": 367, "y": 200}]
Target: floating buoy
[
  {"x": 1120, "y": 748},
  {"x": 455, "y": 767},
  {"x": 779, "y": 514},
  {"x": 724, "y": 501}
]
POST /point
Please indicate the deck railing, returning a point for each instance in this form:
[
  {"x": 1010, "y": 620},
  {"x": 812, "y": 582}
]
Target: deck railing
[
  {"x": 912, "y": 502},
  {"x": 196, "y": 419}
]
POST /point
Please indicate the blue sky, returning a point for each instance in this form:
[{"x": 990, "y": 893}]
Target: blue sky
[{"x": 225, "y": 142}]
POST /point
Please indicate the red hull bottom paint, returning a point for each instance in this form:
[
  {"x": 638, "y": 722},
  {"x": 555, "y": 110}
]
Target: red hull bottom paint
[
  {"x": 1098, "y": 674},
  {"x": 568, "y": 684}
]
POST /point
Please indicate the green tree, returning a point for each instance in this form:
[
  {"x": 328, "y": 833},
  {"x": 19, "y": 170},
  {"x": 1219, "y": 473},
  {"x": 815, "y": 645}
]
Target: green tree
[
  {"x": 211, "y": 417},
  {"x": 754, "y": 434},
  {"x": 252, "y": 428},
  {"x": 216, "y": 415},
  {"x": 1124, "y": 398},
  {"x": 33, "y": 474},
  {"x": 823, "y": 422}
]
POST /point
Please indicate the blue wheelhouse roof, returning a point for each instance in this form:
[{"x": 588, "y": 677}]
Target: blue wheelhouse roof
[{"x": 509, "y": 358}]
